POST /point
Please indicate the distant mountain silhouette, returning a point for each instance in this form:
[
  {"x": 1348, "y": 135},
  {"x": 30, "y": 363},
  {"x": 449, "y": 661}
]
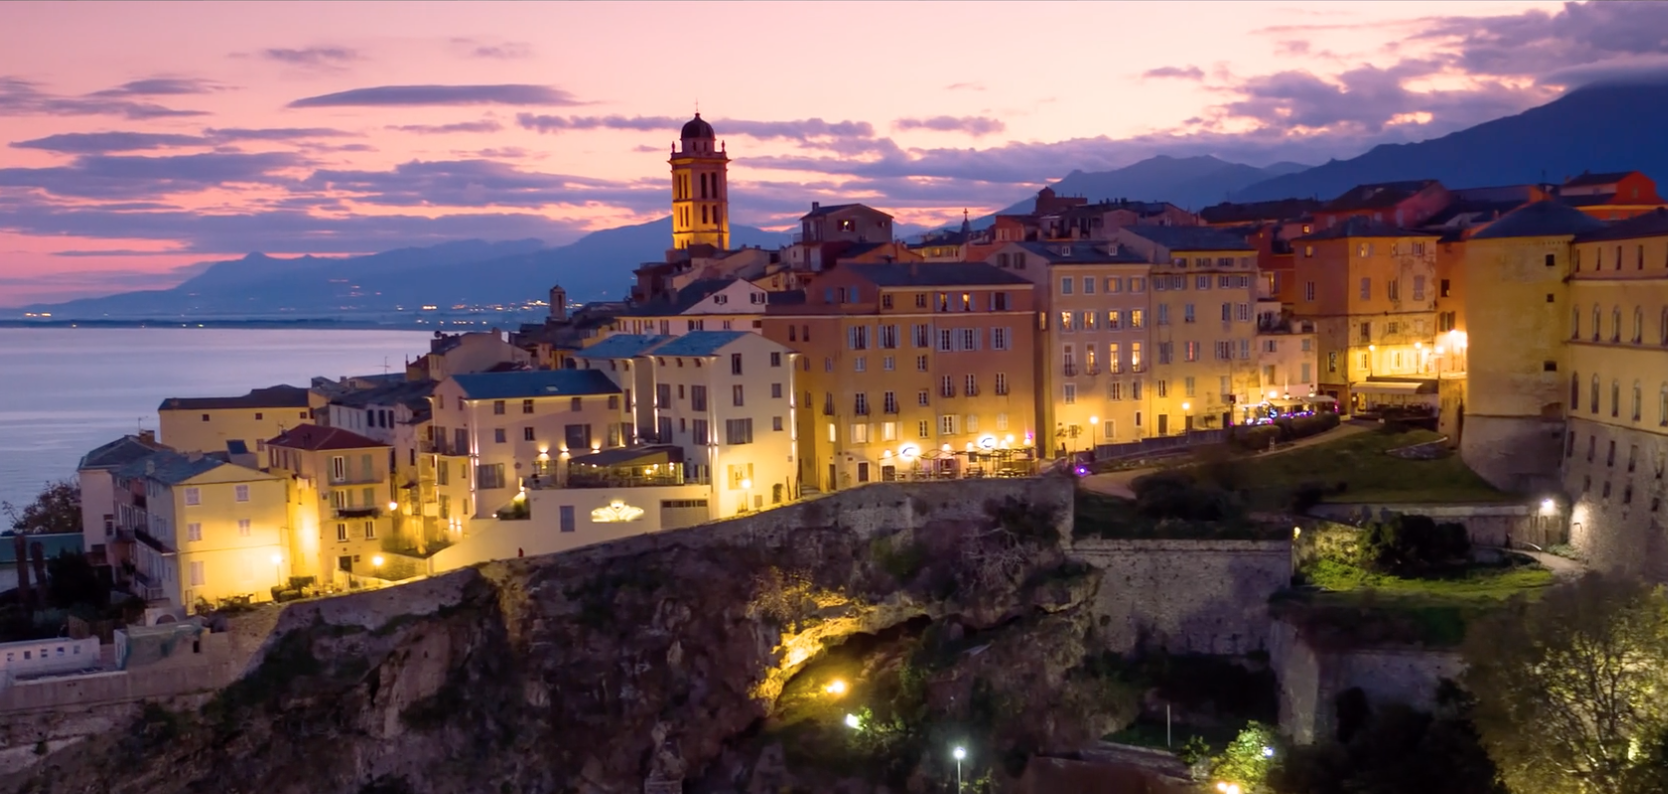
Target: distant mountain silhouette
[
  {"x": 1597, "y": 128},
  {"x": 596, "y": 266}
]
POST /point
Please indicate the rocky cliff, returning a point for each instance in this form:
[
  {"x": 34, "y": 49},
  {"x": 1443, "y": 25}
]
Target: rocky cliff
[{"x": 949, "y": 614}]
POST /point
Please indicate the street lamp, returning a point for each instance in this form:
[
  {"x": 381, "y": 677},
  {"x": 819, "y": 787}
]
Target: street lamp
[{"x": 960, "y": 754}]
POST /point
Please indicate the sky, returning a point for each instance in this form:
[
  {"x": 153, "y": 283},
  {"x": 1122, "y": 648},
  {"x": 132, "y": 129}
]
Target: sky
[{"x": 141, "y": 139}]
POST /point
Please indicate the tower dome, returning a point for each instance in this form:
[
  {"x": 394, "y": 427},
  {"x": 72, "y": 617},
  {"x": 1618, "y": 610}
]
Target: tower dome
[{"x": 697, "y": 128}]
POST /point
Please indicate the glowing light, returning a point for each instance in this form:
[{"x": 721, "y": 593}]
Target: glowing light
[
  {"x": 987, "y": 443},
  {"x": 277, "y": 559},
  {"x": 376, "y": 562},
  {"x": 393, "y": 506},
  {"x": 945, "y": 448},
  {"x": 908, "y": 451},
  {"x": 746, "y": 484},
  {"x": 1268, "y": 752},
  {"x": 960, "y": 753},
  {"x": 1094, "y": 420},
  {"x": 616, "y": 512},
  {"x": 1548, "y": 506},
  {"x": 1187, "y": 406},
  {"x": 853, "y": 722},
  {"x": 1273, "y": 394},
  {"x": 835, "y": 687},
  {"x": 1297, "y": 532}
]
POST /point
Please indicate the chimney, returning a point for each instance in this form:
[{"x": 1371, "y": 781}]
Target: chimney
[
  {"x": 147, "y": 437},
  {"x": 815, "y": 206},
  {"x": 194, "y": 455}
]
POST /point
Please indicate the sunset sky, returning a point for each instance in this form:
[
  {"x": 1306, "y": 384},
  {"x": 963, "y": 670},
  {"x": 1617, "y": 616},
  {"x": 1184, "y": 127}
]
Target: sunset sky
[{"x": 143, "y": 137}]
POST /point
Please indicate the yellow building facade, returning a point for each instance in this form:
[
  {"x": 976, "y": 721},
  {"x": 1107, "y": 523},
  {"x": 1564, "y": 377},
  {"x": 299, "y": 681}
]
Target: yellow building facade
[
  {"x": 700, "y": 189},
  {"x": 1616, "y": 377},
  {"x": 342, "y": 501},
  {"x": 208, "y": 424}
]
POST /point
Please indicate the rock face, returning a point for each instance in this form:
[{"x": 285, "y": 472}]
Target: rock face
[{"x": 678, "y": 656}]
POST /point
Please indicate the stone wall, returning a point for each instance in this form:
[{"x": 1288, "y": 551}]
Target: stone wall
[
  {"x": 1616, "y": 481},
  {"x": 1512, "y": 453},
  {"x": 1486, "y": 524},
  {"x": 1311, "y": 680},
  {"x": 1187, "y": 596}
]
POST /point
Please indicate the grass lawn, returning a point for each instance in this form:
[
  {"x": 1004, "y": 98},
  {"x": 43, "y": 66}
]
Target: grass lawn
[
  {"x": 1363, "y": 607},
  {"x": 1358, "y": 463}
]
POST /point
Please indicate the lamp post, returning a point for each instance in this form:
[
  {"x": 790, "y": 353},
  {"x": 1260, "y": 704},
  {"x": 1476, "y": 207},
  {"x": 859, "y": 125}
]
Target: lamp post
[
  {"x": 960, "y": 753},
  {"x": 1094, "y": 431}
]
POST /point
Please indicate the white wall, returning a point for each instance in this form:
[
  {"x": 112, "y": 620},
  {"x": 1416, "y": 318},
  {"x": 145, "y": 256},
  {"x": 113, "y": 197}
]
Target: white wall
[
  {"x": 38, "y": 657},
  {"x": 493, "y": 539}
]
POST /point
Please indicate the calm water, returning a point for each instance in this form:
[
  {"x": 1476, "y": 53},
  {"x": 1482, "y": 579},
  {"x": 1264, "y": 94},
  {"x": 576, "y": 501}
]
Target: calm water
[{"x": 64, "y": 391}]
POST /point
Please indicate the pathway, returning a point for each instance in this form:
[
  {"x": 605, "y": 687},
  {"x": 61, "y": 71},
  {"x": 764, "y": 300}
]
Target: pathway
[
  {"x": 1562, "y": 568},
  {"x": 1117, "y": 483}
]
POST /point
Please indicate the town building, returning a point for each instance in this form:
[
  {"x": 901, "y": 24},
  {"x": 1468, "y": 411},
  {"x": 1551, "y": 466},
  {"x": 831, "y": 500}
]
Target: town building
[
  {"x": 343, "y": 505},
  {"x": 95, "y": 476},
  {"x": 1517, "y": 393},
  {"x": 203, "y": 529},
  {"x": 716, "y": 304},
  {"x": 468, "y": 352},
  {"x": 1202, "y": 293},
  {"x": 1370, "y": 289},
  {"x": 515, "y": 426},
  {"x": 1092, "y": 348},
  {"x": 1615, "y": 365},
  {"x": 1402, "y": 204},
  {"x": 912, "y": 370},
  {"x": 1287, "y": 360},
  {"x": 209, "y": 424},
  {"x": 718, "y": 404},
  {"x": 1611, "y": 196}
]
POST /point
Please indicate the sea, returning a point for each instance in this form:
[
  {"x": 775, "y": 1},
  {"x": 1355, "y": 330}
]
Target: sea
[{"x": 64, "y": 391}]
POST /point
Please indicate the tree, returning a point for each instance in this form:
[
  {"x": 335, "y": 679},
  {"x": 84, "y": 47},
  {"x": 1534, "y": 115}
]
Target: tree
[
  {"x": 73, "y": 581},
  {"x": 1571, "y": 689},
  {"x": 1248, "y": 758},
  {"x": 57, "y": 509}
]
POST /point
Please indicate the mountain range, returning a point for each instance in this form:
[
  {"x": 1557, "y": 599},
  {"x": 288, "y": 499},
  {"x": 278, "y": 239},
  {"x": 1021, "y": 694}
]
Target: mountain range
[
  {"x": 1597, "y": 128},
  {"x": 597, "y": 266}
]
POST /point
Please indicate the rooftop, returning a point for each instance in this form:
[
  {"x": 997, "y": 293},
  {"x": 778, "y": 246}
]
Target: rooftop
[
  {"x": 315, "y": 437},
  {"x": 280, "y": 396},
  {"x": 697, "y": 343},
  {"x": 1380, "y": 195},
  {"x": 1082, "y": 253},
  {"x": 621, "y": 346},
  {"x": 943, "y": 274},
  {"x": 1650, "y": 224},
  {"x": 1592, "y": 180},
  {"x": 414, "y": 393},
  {"x": 1542, "y": 219},
  {"x": 116, "y": 453},
  {"x": 818, "y": 210},
  {"x": 173, "y": 468},
  {"x": 686, "y": 299},
  {"x": 534, "y": 383},
  {"x": 1280, "y": 210},
  {"x": 1190, "y": 238},
  {"x": 1363, "y": 227}
]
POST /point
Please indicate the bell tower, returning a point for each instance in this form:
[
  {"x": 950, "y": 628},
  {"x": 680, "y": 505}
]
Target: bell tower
[{"x": 700, "y": 189}]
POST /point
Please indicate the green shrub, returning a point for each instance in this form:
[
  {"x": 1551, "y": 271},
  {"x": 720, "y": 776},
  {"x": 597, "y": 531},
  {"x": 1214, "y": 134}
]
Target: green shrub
[
  {"x": 1413, "y": 545},
  {"x": 1258, "y": 438},
  {"x": 1176, "y": 494}
]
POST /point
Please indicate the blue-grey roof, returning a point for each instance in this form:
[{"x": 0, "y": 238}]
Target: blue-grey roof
[
  {"x": 1549, "y": 218},
  {"x": 621, "y": 346},
  {"x": 697, "y": 343},
  {"x": 1081, "y": 253},
  {"x": 1650, "y": 224},
  {"x": 51, "y": 545},
  {"x": 1358, "y": 226},
  {"x": 939, "y": 274},
  {"x": 535, "y": 383},
  {"x": 170, "y": 467},
  {"x": 1191, "y": 238},
  {"x": 123, "y": 450}
]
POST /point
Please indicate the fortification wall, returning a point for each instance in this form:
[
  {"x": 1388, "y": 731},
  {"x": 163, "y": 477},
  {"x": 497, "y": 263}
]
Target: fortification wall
[
  {"x": 1486, "y": 524},
  {"x": 1187, "y": 596},
  {"x": 1311, "y": 680}
]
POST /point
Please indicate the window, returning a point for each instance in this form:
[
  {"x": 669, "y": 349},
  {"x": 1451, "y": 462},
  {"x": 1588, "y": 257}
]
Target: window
[
  {"x": 1187, "y": 387},
  {"x": 565, "y": 518},
  {"x": 889, "y": 402},
  {"x": 1638, "y": 325},
  {"x": 999, "y": 338},
  {"x": 922, "y": 398},
  {"x": 1393, "y": 289},
  {"x": 1134, "y": 356},
  {"x": 947, "y": 424},
  {"x": 577, "y": 404},
  {"x": 1187, "y": 313},
  {"x": 527, "y": 433},
  {"x": 1575, "y": 390},
  {"x": 1419, "y": 287},
  {"x": 240, "y": 493},
  {"x": 1366, "y": 285},
  {"x": 1309, "y": 289},
  {"x": 488, "y": 476},
  {"x": 370, "y": 530},
  {"x": 698, "y": 398},
  {"x": 1001, "y": 383},
  {"x": 1114, "y": 361},
  {"x": 1088, "y": 285},
  {"x": 498, "y": 407},
  {"x": 921, "y": 335},
  {"x": 341, "y": 533},
  {"x": 776, "y": 358},
  {"x": 193, "y": 531},
  {"x": 526, "y": 406},
  {"x": 946, "y": 386},
  {"x": 1065, "y": 286},
  {"x": 1638, "y": 400},
  {"x": 857, "y": 337},
  {"x": 735, "y": 363},
  {"x": 244, "y": 527},
  {"x": 737, "y": 395},
  {"x": 860, "y": 404},
  {"x": 197, "y": 577},
  {"x": 860, "y": 434},
  {"x": 920, "y": 363},
  {"x": 193, "y": 496},
  {"x": 1593, "y": 397},
  {"x": 969, "y": 339},
  {"x": 1444, "y": 289},
  {"x": 498, "y": 435},
  {"x": 1136, "y": 318},
  {"x": 888, "y": 337},
  {"x": 738, "y": 431},
  {"x": 1163, "y": 314},
  {"x": 1071, "y": 394},
  {"x": 946, "y": 340},
  {"x": 1066, "y": 322}
]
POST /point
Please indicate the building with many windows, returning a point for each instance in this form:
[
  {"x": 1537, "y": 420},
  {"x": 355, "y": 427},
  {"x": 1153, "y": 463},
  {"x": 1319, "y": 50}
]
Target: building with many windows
[
  {"x": 516, "y": 426},
  {"x": 202, "y": 529},
  {"x": 1370, "y": 288},
  {"x": 911, "y": 370},
  {"x": 1091, "y": 357},
  {"x": 342, "y": 500},
  {"x": 1202, "y": 296}
]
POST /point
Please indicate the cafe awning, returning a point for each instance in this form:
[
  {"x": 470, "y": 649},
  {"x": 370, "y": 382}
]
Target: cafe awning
[{"x": 1392, "y": 387}]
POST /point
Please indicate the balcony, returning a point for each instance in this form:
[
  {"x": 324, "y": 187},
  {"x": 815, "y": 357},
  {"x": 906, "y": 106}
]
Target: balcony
[
  {"x": 442, "y": 448},
  {"x": 630, "y": 467},
  {"x": 1069, "y": 370},
  {"x": 358, "y": 512},
  {"x": 354, "y": 479}
]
